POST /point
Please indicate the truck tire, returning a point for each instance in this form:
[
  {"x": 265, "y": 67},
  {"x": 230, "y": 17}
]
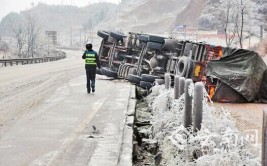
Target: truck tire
[
  {"x": 157, "y": 39},
  {"x": 117, "y": 36},
  {"x": 148, "y": 78},
  {"x": 109, "y": 73},
  {"x": 134, "y": 79},
  {"x": 154, "y": 46},
  {"x": 145, "y": 85},
  {"x": 183, "y": 66},
  {"x": 103, "y": 34},
  {"x": 143, "y": 38}
]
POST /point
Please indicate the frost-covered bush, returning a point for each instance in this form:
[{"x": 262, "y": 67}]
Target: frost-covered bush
[{"x": 218, "y": 142}]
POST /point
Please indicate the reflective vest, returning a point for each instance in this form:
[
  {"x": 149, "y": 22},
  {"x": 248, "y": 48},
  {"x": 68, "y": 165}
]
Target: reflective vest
[{"x": 90, "y": 59}]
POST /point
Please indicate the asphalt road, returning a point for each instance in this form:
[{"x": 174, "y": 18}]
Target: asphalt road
[{"x": 47, "y": 118}]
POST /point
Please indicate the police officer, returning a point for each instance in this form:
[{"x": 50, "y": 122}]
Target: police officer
[{"x": 91, "y": 61}]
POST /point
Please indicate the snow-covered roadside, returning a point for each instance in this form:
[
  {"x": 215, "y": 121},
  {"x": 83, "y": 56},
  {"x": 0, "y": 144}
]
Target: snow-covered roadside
[{"x": 219, "y": 142}]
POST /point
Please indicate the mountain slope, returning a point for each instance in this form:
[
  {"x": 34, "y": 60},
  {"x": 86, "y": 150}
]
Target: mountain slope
[
  {"x": 61, "y": 18},
  {"x": 145, "y": 15},
  {"x": 191, "y": 14}
]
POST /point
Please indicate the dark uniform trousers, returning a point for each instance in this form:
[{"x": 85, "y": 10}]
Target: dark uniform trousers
[{"x": 90, "y": 75}]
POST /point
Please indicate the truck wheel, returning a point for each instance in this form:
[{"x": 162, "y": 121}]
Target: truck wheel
[
  {"x": 148, "y": 78},
  {"x": 154, "y": 46},
  {"x": 183, "y": 66},
  {"x": 145, "y": 85},
  {"x": 143, "y": 38},
  {"x": 109, "y": 73},
  {"x": 134, "y": 79},
  {"x": 117, "y": 35},
  {"x": 157, "y": 39},
  {"x": 103, "y": 34}
]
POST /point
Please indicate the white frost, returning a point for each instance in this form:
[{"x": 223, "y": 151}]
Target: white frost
[{"x": 218, "y": 142}]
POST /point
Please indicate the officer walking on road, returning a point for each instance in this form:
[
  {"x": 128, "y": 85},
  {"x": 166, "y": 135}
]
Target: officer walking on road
[{"x": 91, "y": 62}]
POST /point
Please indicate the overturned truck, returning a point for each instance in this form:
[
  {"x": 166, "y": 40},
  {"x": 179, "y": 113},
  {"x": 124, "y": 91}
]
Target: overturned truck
[{"x": 229, "y": 75}]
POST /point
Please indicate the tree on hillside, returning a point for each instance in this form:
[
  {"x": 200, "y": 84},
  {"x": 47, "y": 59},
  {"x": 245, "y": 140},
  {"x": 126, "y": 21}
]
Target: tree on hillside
[
  {"x": 237, "y": 19},
  {"x": 226, "y": 21},
  {"x": 15, "y": 23},
  {"x": 20, "y": 38},
  {"x": 246, "y": 14},
  {"x": 26, "y": 33},
  {"x": 32, "y": 30}
]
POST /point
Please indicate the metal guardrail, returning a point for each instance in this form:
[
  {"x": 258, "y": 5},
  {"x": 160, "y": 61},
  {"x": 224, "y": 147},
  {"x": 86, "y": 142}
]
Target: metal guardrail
[{"x": 24, "y": 61}]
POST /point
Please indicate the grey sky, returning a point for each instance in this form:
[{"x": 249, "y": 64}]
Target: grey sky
[{"x": 7, "y": 6}]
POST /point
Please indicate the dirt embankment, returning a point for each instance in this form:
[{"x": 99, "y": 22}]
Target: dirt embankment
[{"x": 190, "y": 15}]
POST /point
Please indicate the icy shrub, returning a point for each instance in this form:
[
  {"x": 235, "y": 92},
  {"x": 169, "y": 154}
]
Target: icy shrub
[{"x": 218, "y": 142}]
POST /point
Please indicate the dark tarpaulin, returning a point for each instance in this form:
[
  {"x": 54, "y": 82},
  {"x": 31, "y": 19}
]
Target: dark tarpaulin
[
  {"x": 240, "y": 69},
  {"x": 263, "y": 90}
]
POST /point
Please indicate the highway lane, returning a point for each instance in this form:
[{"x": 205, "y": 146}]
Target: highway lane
[{"x": 46, "y": 116}]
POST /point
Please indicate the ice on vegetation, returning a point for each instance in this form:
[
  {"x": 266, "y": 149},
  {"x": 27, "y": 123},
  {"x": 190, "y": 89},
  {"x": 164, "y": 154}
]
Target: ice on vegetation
[{"x": 218, "y": 142}]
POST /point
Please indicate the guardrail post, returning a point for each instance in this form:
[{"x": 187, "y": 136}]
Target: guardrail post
[
  {"x": 181, "y": 85},
  {"x": 176, "y": 87},
  {"x": 167, "y": 80},
  {"x": 264, "y": 139},
  {"x": 23, "y": 61},
  {"x": 188, "y": 105},
  {"x": 198, "y": 106}
]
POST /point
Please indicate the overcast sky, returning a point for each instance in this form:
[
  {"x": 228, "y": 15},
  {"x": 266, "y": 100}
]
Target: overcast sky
[{"x": 7, "y": 6}]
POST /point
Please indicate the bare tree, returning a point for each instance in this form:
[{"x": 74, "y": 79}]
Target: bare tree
[
  {"x": 26, "y": 33},
  {"x": 20, "y": 38},
  {"x": 32, "y": 35},
  {"x": 237, "y": 19},
  {"x": 239, "y": 22},
  {"x": 246, "y": 12},
  {"x": 227, "y": 20}
]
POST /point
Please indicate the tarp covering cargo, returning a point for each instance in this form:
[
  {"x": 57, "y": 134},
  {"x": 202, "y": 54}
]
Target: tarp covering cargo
[{"x": 241, "y": 70}]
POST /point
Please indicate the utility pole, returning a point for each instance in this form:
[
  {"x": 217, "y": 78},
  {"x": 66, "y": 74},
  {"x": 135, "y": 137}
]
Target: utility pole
[{"x": 261, "y": 32}]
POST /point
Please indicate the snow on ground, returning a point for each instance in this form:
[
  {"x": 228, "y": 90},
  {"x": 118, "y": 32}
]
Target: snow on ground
[
  {"x": 218, "y": 142},
  {"x": 28, "y": 85}
]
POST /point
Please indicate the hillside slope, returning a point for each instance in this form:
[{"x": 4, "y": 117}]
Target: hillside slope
[
  {"x": 191, "y": 14},
  {"x": 145, "y": 15},
  {"x": 61, "y": 17}
]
